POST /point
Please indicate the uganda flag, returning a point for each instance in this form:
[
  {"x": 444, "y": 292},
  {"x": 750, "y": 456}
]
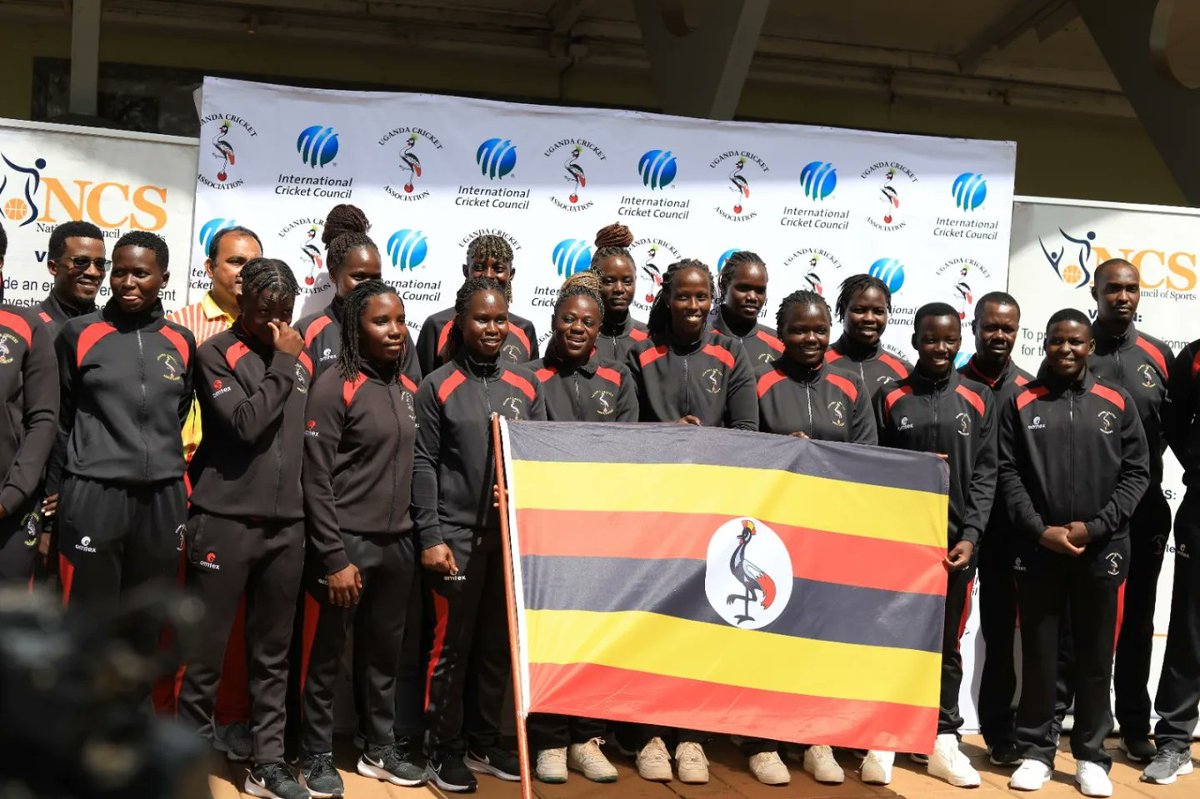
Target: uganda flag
[{"x": 733, "y": 582}]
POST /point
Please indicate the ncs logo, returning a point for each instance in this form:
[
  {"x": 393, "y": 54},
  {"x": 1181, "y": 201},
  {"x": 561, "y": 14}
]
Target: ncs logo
[
  {"x": 496, "y": 158},
  {"x": 407, "y": 248},
  {"x": 317, "y": 145},
  {"x": 969, "y": 190},
  {"x": 210, "y": 229},
  {"x": 571, "y": 256},
  {"x": 890, "y": 271},
  {"x": 657, "y": 168},
  {"x": 818, "y": 179}
]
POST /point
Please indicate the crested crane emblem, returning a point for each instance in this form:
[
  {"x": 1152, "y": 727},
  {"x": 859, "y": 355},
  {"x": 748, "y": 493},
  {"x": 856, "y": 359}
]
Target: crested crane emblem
[{"x": 748, "y": 578}]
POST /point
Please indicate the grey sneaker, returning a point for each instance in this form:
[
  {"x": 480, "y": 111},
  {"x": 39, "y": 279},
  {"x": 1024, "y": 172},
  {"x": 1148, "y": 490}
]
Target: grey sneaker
[
  {"x": 390, "y": 764},
  {"x": 274, "y": 781},
  {"x": 318, "y": 775},
  {"x": 1166, "y": 766},
  {"x": 234, "y": 740}
]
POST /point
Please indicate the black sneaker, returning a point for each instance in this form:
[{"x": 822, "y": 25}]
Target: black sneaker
[
  {"x": 1167, "y": 765},
  {"x": 1004, "y": 754},
  {"x": 318, "y": 775},
  {"x": 496, "y": 761},
  {"x": 447, "y": 771},
  {"x": 1138, "y": 749},
  {"x": 274, "y": 781},
  {"x": 388, "y": 763}
]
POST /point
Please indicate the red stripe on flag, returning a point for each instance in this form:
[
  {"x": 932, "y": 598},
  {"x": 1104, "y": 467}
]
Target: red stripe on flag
[
  {"x": 816, "y": 554},
  {"x": 586, "y": 689}
]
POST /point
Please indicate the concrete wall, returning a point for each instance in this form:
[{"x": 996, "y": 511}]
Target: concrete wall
[{"x": 1059, "y": 154}]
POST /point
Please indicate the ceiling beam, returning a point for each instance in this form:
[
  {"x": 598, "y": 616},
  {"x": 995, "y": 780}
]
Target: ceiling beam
[{"x": 1026, "y": 15}]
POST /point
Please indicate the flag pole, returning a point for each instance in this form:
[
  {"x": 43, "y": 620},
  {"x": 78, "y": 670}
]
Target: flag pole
[{"x": 511, "y": 602}]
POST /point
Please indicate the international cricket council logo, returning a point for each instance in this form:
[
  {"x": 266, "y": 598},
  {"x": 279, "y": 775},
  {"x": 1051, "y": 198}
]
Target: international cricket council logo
[
  {"x": 571, "y": 256},
  {"x": 210, "y": 229},
  {"x": 657, "y": 168},
  {"x": 890, "y": 271},
  {"x": 747, "y": 593},
  {"x": 407, "y": 248},
  {"x": 969, "y": 190},
  {"x": 1069, "y": 256},
  {"x": 317, "y": 145},
  {"x": 818, "y": 179},
  {"x": 496, "y": 158}
]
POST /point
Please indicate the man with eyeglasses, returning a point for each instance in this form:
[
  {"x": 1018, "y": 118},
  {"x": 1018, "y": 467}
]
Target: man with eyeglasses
[{"x": 76, "y": 259}]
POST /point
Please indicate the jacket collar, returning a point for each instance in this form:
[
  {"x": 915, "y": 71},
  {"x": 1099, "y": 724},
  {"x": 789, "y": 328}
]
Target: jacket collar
[
  {"x": 478, "y": 370},
  {"x": 799, "y": 373},
  {"x": 588, "y": 368},
  {"x": 620, "y": 332},
  {"x": 112, "y": 313},
  {"x": 927, "y": 385},
  {"x": 61, "y": 311},
  {"x": 1110, "y": 343},
  {"x": 978, "y": 374},
  {"x": 842, "y": 348}
]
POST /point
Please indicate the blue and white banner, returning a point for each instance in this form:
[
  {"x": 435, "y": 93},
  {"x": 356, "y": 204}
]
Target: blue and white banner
[{"x": 929, "y": 216}]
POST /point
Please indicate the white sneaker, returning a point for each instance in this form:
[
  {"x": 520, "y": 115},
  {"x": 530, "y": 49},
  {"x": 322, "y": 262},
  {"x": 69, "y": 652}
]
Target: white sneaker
[
  {"x": 819, "y": 762},
  {"x": 653, "y": 762},
  {"x": 1031, "y": 775},
  {"x": 877, "y": 767},
  {"x": 1093, "y": 779},
  {"x": 589, "y": 760},
  {"x": 768, "y": 769},
  {"x": 949, "y": 763},
  {"x": 691, "y": 766},
  {"x": 552, "y": 765}
]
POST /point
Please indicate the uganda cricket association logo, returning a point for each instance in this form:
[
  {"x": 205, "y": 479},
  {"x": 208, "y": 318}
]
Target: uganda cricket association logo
[
  {"x": 303, "y": 241},
  {"x": 893, "y": 179},
  {"x": 580, "y": 156},
  {"x": 748, "y": 574},
  {"x": 745, "y": 167},
  {"x": 411, "y": 143},
  {"x": 225, "y": 135},
  {"x": 652, "y": 256}
]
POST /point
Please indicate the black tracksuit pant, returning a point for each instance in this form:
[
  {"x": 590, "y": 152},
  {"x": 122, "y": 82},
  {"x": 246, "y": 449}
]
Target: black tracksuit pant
[
  {"x": 226, "y": 557},
  {"x": 959, "y": 586},
  {"x": 385, "y": 563},
  {"x": 1089, "y": 588},
  {"x": 19, "y": 533},
  {"x": 1179, "y": 685},
  {"x": 998, "y": 625},
  {"x": 553, "y": 731},
  {"x": 116, "y": 538},
  {"x": 410, "y": 677},
  {"x": 469, "y": 660}
]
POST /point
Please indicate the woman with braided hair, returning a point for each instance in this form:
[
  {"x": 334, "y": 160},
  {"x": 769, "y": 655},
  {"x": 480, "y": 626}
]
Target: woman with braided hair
[
  {"x": 613, "y": 266},
  {"x": 246, "y": 531},
  {"x": 488, "y": 256},
  {"x": 351, "y": 257},
  {"x": 357, "y": 478},
  {"x": 686, "y": 374},
  {"x": 459, "y": 534},
  {"x": 742, "y": 294},
  {"x": 863, "y": 306}
]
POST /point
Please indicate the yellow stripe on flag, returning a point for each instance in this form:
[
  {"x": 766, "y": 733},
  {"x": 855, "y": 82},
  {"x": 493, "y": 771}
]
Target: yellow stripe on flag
[
  {"x": 717, "y": 653},
  {"x": 772, "y": 495}
]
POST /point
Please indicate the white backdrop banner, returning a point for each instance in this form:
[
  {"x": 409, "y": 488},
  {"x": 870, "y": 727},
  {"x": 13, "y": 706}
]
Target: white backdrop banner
[
  {"x": 1056, "y": 247},
  {"x": 929, "y": 216},
  {"x": 118, "y": 180}
]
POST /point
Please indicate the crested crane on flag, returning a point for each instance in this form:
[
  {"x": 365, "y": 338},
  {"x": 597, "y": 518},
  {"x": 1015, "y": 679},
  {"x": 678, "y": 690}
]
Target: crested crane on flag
[{"x": 727, "y": 581}]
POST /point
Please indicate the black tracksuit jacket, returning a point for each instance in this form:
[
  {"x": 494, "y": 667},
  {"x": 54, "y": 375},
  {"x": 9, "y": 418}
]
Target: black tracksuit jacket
[
  {"x": 126, "y": 387},
  {"x": 322, "y": 333},
  {"x": 762, "y": 344},
  {"x": 1182, "y": 421},
  {"x": 615, "y": 348},
  {"x": 252, "y": 406},
  {"x": 877, "y": 372},
  {"x": 358, "y": 460},
  {"x": 520, "y": 346},
  {"x": 1072, "y": 453},
  {"x": 711, "y": 380},
  {"x": 29, "y": 385},
  {"x": 54, "y": 314},
  {"x": 598, "y": 391},
  {"x": 1139, "y": 364},
  {"x": 455, "y": 467},
  {"x": 954, "y": 417},
  {"x": 822, "y": 403}
]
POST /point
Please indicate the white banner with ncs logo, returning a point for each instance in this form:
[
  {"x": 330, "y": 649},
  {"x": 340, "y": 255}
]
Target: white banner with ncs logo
[
  {"x": 929, "y": 216},
  {"x": 117, "y": 180},
  {"x": 1056, "y": 247}
]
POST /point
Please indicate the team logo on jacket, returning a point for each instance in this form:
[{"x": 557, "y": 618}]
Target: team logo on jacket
[
  {"x": 407, "y": 398},
  {"x": 606, "y": 401},
  {"x": 747, "y": 574},
  {"x": 905, "y": 424},
  {"x": 301, "y": 379},
  {"x": 30, "y": 525},
  {"x": 1145, "y": 370},
  {"x": 1036, "y": 424},
  {"x": 220, "y": 388},
  {"x": 1019, "y": 565},
  {"x": 712, "y": 380},
  {"x": 310, "y": 428},
  {"x": 964, "y": 424},
  {"x": 171, "y": 368},
  {"x": 1106, "y": 422},
  {"x": 209, "y": 562},
  {"x": 515, "y": 406},
  {"x": 180, "y": 532},
  {"x": 7, "y": 342},
  {"x": 1114, "y": 563},
  {"x": 328, "y": 355},
  {"x": 837, "y": 412},
  {"x": 512, "y": 352},
  {"x": 85, "y": 544}
]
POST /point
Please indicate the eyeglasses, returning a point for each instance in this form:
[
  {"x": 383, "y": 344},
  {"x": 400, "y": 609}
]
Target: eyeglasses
[{"x": 81, "y": 263}]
